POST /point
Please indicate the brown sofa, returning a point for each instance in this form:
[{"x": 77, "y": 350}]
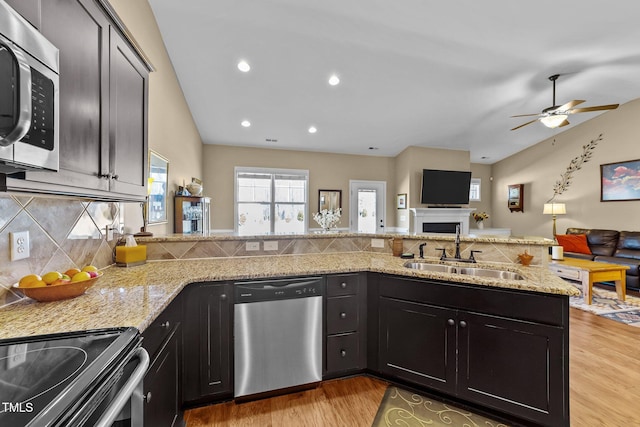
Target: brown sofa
[{"x": 615, "y": 247}]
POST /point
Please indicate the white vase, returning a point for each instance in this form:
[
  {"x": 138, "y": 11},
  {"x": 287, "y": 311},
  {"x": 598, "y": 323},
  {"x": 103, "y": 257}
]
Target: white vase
[{"x": 480, "y": 225}]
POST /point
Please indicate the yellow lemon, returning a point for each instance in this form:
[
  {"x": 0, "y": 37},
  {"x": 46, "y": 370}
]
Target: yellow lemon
[
  {"x": 90, "y": 268},
  {"x": 29, "y": 278},
  {"x": 51, "y": 277},
  {"x": 79, "y": 277}
]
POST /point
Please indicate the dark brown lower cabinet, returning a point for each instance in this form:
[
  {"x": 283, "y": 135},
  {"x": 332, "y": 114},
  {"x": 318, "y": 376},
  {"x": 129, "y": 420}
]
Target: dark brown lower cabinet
[
  {"x": 345, "y": 325},
  {"x": 496, "y": 348},
  {"x": 163, "y": 380},
  {"x": 162, "y": 385},
  {"x": 208, "y": 342}
]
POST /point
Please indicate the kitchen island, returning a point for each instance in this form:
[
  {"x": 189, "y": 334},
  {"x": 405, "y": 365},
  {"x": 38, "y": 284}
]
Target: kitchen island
[
  {"x": 135, "y": 296},
  {"x": 532, "y": 310}
]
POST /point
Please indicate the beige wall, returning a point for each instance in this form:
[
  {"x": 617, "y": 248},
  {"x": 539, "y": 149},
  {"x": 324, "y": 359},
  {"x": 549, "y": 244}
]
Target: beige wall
[
  {"x": 484, "y": 205},
  {"x": 326, "y": 171},
  {"x": 403, "y": 174},
  {"x": 408, "y": 172},
  {"x": 540, "y": 166},
  {"x": 172, "y": 131}
]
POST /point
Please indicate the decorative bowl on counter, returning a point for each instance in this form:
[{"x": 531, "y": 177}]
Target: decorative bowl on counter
[{"x": 57, "y": 292}]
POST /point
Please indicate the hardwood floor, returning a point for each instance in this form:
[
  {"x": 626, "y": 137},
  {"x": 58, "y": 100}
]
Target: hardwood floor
[
  {"x": 604, "y": 383},
  {"x": 350, "y": 402}
]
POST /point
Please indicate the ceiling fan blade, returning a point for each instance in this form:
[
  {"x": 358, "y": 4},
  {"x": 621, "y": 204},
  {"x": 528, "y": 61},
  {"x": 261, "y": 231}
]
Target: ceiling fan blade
[
  {"x": 526, "y": 115},
  {"x": 524, "y": 124},
  {"x": 570, "y": 104},
  {"x": 564, "y": 123},
  {"x": 596, "y": 108}
]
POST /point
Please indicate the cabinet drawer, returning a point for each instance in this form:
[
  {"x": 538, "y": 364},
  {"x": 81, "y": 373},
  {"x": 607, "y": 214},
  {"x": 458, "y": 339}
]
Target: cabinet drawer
[
  {"x": 342, "y": 284},
  {"x": 343, "y": 352},
  {"x": 161, "y": 328},
  {"x": 342, "y": 314},
  {"x": 567, "y": 273}
]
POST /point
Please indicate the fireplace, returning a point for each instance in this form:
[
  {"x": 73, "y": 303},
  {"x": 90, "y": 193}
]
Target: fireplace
[
  {"x": 439, "y": 220},
  {"x": 440, "y": 227}
]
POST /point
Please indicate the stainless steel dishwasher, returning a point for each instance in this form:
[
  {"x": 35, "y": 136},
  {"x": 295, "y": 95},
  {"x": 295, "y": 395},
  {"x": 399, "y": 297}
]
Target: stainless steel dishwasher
[{"x": 277, "y": 334}]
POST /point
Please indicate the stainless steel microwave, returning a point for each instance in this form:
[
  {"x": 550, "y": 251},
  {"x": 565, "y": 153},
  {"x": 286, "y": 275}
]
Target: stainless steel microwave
[{"x": 29, "y": 78}]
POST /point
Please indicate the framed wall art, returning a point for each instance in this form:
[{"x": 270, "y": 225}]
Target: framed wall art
[
  {"x": 401, "y": 201},
  {"x": 620, "y": 181}
]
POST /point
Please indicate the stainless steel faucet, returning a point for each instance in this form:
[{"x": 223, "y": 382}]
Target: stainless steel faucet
[{"x": 457, "y": 255}]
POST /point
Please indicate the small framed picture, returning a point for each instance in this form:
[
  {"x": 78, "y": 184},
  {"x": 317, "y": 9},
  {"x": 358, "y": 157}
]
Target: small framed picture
[{"x": 401, "y": 201}]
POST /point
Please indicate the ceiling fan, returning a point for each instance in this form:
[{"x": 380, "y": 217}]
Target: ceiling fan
[{"x": 556, "y": 116}]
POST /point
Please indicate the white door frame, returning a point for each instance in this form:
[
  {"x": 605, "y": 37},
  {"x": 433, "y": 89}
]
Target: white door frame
[{"x": 381, "y": 189}]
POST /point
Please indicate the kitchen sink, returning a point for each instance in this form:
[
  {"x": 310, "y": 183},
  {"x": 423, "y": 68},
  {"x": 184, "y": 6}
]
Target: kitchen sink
[
  {"x": 484, "y": 272},
  {"x": 469, "y": 271},
  {"x": 440, "y": 268}
]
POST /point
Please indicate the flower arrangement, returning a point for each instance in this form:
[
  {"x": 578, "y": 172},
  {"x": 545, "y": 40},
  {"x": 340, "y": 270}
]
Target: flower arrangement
[
  {"x": 327, "y": 218},
  {"x": 479, "y": 216}
]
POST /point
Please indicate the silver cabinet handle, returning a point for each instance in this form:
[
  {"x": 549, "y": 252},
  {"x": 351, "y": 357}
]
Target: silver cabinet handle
[
  {"x": 343, "y": 315},
  {"x": 450, "y": 322},
  {"x": 343, "y": 285},
  {"x": 223, "y": 297},
  {"x": 166, "y": 324},
  {"x": 463, "y": 324},
  {"x": 147, "y": 397},
  {"x": 343, "y": 353}
]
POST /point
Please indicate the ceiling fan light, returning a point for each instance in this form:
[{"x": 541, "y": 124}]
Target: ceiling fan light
[{"x": 554, "y": 120}]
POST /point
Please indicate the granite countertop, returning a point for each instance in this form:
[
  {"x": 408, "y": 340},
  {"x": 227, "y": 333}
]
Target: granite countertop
[
  {"x": 135, "y": 296},
  {"x": 526, "y": 240}
]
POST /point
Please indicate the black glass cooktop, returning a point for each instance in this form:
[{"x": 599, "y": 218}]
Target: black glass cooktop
[{"x": 44, "y": 379}]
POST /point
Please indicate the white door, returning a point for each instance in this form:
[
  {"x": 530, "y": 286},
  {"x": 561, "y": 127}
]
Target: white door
[{"x": 367, "y": 206}]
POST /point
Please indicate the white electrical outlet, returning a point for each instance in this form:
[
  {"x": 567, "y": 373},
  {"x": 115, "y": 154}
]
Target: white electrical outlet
[
  {"x": 16, "y": 355},
  {"x": 252, "y": 246},
  {"x": 377, "y": 243},
  {"x": 19, "y": 242},
  {"x": 271, "y": 245}
]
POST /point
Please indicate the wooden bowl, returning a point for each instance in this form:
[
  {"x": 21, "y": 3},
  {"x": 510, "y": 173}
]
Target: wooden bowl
[{"x": 58, "y": 292}]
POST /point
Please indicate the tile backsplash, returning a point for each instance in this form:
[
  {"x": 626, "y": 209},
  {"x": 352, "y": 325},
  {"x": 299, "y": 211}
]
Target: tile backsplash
[{"x": 63, "y": 233}]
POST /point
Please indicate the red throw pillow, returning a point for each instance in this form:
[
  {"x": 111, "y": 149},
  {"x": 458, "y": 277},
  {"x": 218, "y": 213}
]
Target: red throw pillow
[{"x": 574, "y": 243}]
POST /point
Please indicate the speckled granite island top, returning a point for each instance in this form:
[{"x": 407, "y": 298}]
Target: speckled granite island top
[{"x": 135, "y": 296}]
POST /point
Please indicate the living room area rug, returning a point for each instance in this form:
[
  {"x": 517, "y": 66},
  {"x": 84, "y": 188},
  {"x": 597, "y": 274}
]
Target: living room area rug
[
  {"x": 605, "y": 303},
  {"x": 404, "y": 408}
]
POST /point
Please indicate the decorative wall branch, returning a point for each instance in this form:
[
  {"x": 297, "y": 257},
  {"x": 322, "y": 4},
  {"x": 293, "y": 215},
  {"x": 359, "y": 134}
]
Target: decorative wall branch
[{"x": 576, "y": 164}]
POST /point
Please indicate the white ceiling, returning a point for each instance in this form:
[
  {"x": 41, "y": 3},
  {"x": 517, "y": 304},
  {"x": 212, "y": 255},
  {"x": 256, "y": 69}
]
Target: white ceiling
[{"x": 444, "y": 74}]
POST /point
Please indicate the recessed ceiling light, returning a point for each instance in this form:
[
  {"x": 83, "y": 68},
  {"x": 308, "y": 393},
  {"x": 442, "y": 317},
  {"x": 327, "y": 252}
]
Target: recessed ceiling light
[
  {"x": 244, "y": 66},
  {"x": 313, "y": 129},
  {"x": 245, "y": 123},
  {"x": 334, "y": 80},
  {"x": 373, "y": 148}
]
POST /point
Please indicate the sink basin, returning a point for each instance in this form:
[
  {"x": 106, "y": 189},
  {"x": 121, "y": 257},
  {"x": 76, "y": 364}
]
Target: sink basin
[
  {"x": 484, "y": 272},
  {"x": 440, "y": 268},
  {"x": 469, "y": 271}
]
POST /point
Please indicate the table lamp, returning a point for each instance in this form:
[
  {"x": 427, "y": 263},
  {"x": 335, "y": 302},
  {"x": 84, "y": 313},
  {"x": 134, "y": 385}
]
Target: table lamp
[{"x": 554, "y": 209}]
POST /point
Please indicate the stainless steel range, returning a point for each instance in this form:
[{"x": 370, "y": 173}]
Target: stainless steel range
[{"x": 83, "y": 378}]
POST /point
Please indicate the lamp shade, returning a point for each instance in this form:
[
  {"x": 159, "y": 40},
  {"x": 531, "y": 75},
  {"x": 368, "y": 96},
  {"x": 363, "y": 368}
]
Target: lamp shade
[{"x": 554, "y": 209}]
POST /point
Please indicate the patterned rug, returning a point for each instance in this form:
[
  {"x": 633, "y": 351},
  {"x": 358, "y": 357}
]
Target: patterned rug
[
  {"x": 403, "y": 408},
  {"x": 606, "y": 304}
]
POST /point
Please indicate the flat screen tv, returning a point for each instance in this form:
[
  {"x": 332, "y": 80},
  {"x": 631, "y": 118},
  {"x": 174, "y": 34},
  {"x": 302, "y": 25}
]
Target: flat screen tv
[{"x": 440, "y": 187}]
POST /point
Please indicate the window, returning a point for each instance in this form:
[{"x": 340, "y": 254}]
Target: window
[
  {"x": 474, "y": 190},
  {"x": 271, "y": 200}
]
